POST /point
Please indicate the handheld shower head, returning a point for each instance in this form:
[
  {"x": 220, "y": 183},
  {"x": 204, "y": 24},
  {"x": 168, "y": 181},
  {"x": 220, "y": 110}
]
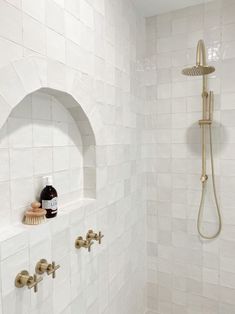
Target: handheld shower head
[{"x": 201, "y": 67}]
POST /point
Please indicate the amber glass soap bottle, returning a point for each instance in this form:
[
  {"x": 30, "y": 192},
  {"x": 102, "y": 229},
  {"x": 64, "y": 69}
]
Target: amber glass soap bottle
[{"x": 48, "y": 198}]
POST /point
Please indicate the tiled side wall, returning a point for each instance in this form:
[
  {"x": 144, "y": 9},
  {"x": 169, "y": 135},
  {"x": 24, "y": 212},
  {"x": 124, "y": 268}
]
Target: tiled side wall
[
  {"x": 101, "y": 41},
  {"x": 186, "y": 274}
]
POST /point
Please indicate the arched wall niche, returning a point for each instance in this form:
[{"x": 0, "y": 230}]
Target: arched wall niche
[{"x": 32, "y": 75}]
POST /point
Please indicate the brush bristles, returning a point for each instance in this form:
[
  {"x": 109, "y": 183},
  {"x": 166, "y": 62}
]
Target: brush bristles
[{"x": 33, "y": 220}]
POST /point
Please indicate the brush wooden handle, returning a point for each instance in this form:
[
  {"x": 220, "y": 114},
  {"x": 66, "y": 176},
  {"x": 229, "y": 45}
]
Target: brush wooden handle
[{"x": 36, "y": 206}]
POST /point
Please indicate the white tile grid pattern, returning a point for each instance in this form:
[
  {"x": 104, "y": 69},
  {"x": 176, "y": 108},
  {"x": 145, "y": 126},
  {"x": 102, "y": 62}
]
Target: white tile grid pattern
[
  {"x": 101, "y": 41},
  {"x": 186, "y": 275}
]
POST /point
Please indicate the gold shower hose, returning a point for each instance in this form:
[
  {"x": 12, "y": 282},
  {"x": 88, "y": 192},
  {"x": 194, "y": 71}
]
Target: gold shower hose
[{"x": 204, "y": 182}]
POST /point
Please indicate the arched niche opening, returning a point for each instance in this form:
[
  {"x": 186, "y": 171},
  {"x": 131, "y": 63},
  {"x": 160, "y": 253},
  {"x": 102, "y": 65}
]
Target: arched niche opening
[{"x": 47, "y": 133}]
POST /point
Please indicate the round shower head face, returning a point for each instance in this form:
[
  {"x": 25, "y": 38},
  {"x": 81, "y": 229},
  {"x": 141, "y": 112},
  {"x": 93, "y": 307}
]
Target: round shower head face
[{"x": 198, "y": 70}]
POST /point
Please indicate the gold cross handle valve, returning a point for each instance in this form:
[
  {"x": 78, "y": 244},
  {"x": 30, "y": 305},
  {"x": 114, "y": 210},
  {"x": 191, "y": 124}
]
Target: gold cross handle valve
[
  {"x": 80, "y": 242},
  {"x": 94, "y": 236},
  {"x": 43, "y": 266},
  {"x": 24, "y": 279}
]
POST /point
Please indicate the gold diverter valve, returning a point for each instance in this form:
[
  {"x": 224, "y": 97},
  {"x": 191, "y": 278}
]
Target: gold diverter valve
[
  {"x": 94, "y": 236},
  {"x": 80, "y": 242},
  {"x": 204, "y": 178},
  {"x": 43, "y": 266}
]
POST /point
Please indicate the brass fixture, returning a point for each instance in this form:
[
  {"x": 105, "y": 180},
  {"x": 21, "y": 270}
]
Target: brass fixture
[
  {"x": 94, "y": 236},
  {"x": 24, "y": 279},
  {"x": 80, "y": 242},
  {"x": 201, "y": 69},
  {"x": 43, "y": 266}
]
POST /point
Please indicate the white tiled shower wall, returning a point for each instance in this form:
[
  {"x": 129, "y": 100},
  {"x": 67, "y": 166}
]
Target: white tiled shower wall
[
  {"x": 186, "y": 274},
  {"x": 101, "y": 40}
]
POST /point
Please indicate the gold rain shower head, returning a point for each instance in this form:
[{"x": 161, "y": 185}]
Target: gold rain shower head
[
  {"x": 201, "y": 67},
  {"x": 198, "y": 70}
]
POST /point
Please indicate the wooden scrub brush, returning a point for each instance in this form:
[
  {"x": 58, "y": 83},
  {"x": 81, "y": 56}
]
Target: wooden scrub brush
[{"x": 34, "y": 215}]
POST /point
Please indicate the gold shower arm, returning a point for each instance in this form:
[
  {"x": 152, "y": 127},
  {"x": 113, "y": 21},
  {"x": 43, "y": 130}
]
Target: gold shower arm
[{"x": 201, "y": 53}]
